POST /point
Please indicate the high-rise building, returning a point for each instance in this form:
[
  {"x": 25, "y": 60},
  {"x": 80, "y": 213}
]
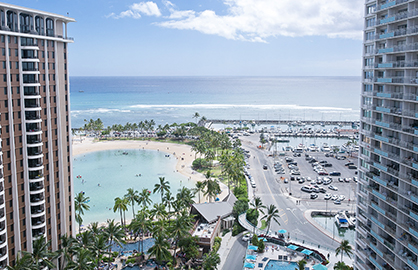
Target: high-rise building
[
  {"x": 387, "y": 210},
  {"x": 36, "y": 195}
]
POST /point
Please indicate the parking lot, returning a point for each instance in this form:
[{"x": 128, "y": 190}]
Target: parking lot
[{"x": 340, "y": 189}]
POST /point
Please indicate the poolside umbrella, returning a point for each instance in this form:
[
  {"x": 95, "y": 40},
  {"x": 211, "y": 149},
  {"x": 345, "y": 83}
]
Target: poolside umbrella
[
  {"x": 282, "y": 231},
  {"x": 252, "y": 247},
  {"x": 264, "y": 239},
  {"x": 249, "y": 265},
  {"x": 319, "y": 267},
  {"x": 307, "y": 251},
  {"x": 292, "y": 247},
  {"x": 251, "y": 257}
]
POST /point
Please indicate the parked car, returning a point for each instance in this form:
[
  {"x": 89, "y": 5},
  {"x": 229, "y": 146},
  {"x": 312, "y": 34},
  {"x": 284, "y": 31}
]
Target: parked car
[
  {"x": 333, "y": 188},
  {"x": 327, "y": 165},
  {"x": 285, "y": 181},
  {"x": 265, "y": 167},
  {"x": 337, "y": 202},
  {"x": 349, "y": 163},
  {"x": 314, "y": 196},
  {"x": 334, "y": 173},
  {"x": 306, "y": 189},
  {"x": 352, "y": 167},
  {"x": 327, "y": 196}
]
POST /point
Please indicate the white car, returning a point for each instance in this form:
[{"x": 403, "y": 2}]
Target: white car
[
  {"x": 334, "y": 197},
  {"x": 327, "y": 196},
  {"x": 341, "y": 197},
  {"x": 333, "y": 188},
  {"x": 246, "y": 237}
]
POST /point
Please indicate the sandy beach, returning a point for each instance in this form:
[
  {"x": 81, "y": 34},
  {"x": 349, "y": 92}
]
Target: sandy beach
[{"x": 183, "y": 153}]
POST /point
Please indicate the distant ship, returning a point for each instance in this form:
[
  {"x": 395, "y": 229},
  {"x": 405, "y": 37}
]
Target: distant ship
[{"x": 81, "y": 91}]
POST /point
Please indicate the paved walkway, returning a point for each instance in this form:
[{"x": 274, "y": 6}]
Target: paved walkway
[
  {"x": 242, "y": 219},
  {"x": 227, "y": 242}
]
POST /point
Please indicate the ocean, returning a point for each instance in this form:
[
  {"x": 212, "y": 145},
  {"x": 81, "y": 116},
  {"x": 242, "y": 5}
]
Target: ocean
[{"x": 118, "y": 100}]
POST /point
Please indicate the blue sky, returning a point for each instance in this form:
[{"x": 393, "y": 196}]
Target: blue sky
[{"x": 211, "y": 37}]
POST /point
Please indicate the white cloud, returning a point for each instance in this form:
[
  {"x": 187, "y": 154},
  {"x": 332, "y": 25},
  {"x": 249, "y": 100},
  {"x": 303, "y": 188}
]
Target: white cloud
[
  {"x": 136, "y": 9},
  {"x": 257, "y": 20}
]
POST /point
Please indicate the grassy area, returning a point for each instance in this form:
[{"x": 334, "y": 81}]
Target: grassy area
[{"x": 178, "y": 141}]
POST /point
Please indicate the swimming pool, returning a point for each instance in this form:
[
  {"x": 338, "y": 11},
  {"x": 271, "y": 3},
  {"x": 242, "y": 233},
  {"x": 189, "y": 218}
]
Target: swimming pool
[
  {"x": 279, "y": 265},
  {"x": 105, "y": 175},
  {"x": 149, "y": 242}
]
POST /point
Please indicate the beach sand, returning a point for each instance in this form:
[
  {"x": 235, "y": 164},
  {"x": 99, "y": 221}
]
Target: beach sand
[{"x": 183, "y": 153}]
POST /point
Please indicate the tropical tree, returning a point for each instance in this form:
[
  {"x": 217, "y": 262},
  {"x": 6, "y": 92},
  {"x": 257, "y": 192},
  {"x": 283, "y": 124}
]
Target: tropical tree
[
  {"x": 144, "y": 198},
  {"x": 185, "y": 197},
  {"x": 160, "y": 249},
  {"x": 80, "y": 204},
  {"x": 301, "y": 264},
  {"x": 168, "y": 200},
  {"x": 212, "y": 189},
  {"x": 23, "y": 262},
  {"x": 344, "y": 248},
  {"x": 211, "y": 260},
  {"x": 179, "y": 228},
  {"x": 162, "y": 187},
  {"x": 258, "y": 205},
  {"x": 68, "y": 246},
  {"x": 196, "y": 116},
  {"x": 199, "y": 187},
  {"x": 41, "y": 255},
  {"x": 114, "y": 233},
  {"x": 121, "y": 205},
  {"x": 83, "y": 260},
  {"x": 99, "y": 246},
  {"x": 158, "y": 211},
  {"x": 272, "y": 215},
  {"x": 132, "y": 197},
  {"x": 139, "y": 225}
]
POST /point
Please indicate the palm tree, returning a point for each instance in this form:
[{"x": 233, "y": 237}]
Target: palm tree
[
  {"x": 168, "y": 200},
  {"x": 41, "y": 256},
  {"x": 80, "y": 204},
  {"x": 139, "y": 225},
  {"x": 163, "y": 186},
  {"x": 144, "y": 198},
  {"x": 99, "y": 246},
  {"x": 160, "y": 249},
  {"x": 132, "y": 197},
  {"x": 211, "y": 260},
  {"x": 196, "y": 116},
  {"x": 114, "y": 233},
  {"x": 272, "y": 214},
  {"x": 22, "y": 263},
  {"x": 344, "y": 248},
  {"x": 200, "y": 186},
  {"x": 212, "y": 189},
  {"x": 258, "y": 206},
  {"x": 68, "y": 246},
  {"x": 178, "y": 229},
  {"x": 122, "y": 206},
  {"x": 185, "y": 197},
  {"x": 158, "y": 211},
  {"x": 301, "y": 265},
  {"x": 83, "y": 261}
]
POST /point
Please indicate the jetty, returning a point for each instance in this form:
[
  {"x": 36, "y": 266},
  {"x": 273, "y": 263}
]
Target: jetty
[{"x": 283, "y": 122}]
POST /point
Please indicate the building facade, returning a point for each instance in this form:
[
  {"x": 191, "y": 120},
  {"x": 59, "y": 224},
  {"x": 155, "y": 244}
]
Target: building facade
[
  {"x": 387, "y": 211},
  {"x": 36, "y": 196}
]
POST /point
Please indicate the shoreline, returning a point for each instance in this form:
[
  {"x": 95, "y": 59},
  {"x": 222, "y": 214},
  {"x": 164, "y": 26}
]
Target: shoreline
[{"x": 183, "y": 154}]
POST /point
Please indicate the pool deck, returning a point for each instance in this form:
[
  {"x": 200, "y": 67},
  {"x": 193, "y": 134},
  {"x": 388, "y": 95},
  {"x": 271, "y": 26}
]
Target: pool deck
[{"x": 277, "y": 253}]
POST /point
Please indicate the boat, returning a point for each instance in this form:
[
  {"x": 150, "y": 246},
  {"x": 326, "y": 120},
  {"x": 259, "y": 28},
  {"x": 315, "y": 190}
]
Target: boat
[
  {"x": 325, "y": 148},
  {"x": 341, "y": 220},
  {"x": 313, "y": 148},
  {"x": 81, "y": 91}
]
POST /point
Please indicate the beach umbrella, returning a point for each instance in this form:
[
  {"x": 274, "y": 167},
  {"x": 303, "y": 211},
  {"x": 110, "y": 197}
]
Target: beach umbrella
[
  {"x": 319, "y": 267},
  {"x": 252, "y": 247},
  {"x": 282, "y": 231},
  {"x": 307, "y": 251},
  {"x": 251, "y": 257},
  {"x": 249, "y": 265},
  {"x": 293, "y": 247}
]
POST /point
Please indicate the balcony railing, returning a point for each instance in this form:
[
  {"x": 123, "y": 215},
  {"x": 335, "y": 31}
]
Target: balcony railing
[
  {"x": 390, "y": 4},
  {"x": 399, "y": 48}
]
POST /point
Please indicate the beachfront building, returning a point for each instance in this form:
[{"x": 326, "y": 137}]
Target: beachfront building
[
  {"x": 387, "y": 211},
  {"x": 36, "y": 196}
]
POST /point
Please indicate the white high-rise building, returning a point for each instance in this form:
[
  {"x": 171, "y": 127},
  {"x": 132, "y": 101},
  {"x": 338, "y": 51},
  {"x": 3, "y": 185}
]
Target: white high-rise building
[
  {"x": 36, "y": 193},
  {"x": 387, "y": 211}
]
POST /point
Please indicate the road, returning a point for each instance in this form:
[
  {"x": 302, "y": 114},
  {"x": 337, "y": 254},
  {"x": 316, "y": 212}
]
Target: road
[
  {"x": 236, "y": 256},
  {"x": 272, "y": 191}
]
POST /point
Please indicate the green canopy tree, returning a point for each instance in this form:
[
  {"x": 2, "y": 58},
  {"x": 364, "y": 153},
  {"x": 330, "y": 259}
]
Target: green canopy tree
[
  {"x": 80, "y": 204},
  {"x": 344, "y": 248}
]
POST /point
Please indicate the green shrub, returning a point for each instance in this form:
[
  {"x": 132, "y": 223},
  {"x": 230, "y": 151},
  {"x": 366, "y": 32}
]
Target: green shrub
[
  {"x": 237, "y": 229},
  {"x": 200, "y": 163},
  {"x": 225, "y": 231},
  {"x": 254, "y": 241},
  {"x": 240, "y": 207},
  {"x": 252, "y": 216}
]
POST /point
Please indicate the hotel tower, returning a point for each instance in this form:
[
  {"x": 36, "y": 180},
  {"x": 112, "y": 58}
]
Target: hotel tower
[
  {"x": 36, "y": 196},
  {"x": 387, "y": 210}
]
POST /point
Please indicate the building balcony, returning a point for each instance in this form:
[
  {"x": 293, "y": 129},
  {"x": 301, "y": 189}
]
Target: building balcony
[
  {"x": 38, "y": 222},
  {"x": 37, "y": 211},
  {"x": 35, "y": 153},
  {"x": 36, "y": 233},
  {"x": 400, "y": 48}
]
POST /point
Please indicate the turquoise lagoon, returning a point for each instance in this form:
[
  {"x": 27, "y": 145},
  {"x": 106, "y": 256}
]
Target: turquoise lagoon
[{"x": 105, "y": 175}]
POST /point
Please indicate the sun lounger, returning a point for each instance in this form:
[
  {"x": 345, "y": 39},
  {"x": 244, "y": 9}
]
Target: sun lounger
[
  {"x": 260, "y": 265},
  {"x": 265, "y": 259}
]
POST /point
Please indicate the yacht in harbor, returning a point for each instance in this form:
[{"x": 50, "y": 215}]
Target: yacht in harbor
[{"x": 325, "y": 148}]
